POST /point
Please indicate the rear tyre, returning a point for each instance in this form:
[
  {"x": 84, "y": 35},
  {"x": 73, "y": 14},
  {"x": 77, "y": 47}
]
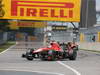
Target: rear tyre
[{"x": 73, "y": 56}]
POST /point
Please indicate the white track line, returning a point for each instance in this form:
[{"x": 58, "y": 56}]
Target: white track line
[
  {"x": 26, "y": 70},
  {"x": 42, "y": 72},
  {"x": 7, "y": 49},
  {"x": 75, "y": 71}
]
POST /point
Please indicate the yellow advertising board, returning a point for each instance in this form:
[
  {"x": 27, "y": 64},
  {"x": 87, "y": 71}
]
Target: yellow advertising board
[
  {"x": 32, "y": 24},
  {"x": 50, "y": 10},
  {"x": 13, "y": 25},
  {"x": 40, "y": 24}
]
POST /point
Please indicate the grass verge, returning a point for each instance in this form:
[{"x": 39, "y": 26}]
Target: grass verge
[
  {"x": 90, "y": 50},
  {"x": 6, "y": 45}
]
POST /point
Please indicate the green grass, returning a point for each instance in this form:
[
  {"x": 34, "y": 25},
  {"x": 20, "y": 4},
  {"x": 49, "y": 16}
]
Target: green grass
[
  {"x": 90, "y": 50},
  {"x": 6, "y": 45}
]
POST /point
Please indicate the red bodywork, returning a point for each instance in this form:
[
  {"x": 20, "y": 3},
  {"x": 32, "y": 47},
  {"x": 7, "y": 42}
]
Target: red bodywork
[{"x": 54, "y": 46}]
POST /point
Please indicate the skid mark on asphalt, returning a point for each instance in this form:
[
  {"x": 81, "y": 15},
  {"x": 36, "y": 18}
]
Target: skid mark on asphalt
[{"x": 75, "y": 71}]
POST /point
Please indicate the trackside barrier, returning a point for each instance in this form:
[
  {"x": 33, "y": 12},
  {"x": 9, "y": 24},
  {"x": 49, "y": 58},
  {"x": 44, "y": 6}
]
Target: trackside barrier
[
  {"x": 94, "y": 46},
  {"x": 98, "y": 37},
  {"x": 81, "y": 37},
  {"x": 88, "y": 37}
]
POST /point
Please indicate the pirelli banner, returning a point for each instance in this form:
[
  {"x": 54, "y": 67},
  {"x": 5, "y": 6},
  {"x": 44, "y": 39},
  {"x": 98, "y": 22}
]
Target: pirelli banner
[{"x": 51, "y": 10}]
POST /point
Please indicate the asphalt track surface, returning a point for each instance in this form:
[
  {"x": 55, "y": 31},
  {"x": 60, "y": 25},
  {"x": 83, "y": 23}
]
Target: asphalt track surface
[{"x": 11, "y": 63}]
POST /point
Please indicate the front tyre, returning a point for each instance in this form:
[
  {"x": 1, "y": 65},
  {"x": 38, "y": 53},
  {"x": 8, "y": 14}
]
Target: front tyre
[
  {"x": 23, "y": 56},
  {"x": 29, "y": 56}
]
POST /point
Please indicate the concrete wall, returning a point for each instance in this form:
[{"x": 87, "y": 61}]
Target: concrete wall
[
  {"x": 89, "y": 33},
  {"x": 89, "y": 45}
]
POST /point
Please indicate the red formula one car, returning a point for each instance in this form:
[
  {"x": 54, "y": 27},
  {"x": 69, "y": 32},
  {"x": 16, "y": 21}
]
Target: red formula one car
[{"x": 54, "y": 52}]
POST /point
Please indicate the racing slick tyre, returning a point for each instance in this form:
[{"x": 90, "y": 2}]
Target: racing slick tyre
[
  {"x": 29, "y": 56},
  {"x": 23, "y": 55},
  {"x": 73, "y": 56}
]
